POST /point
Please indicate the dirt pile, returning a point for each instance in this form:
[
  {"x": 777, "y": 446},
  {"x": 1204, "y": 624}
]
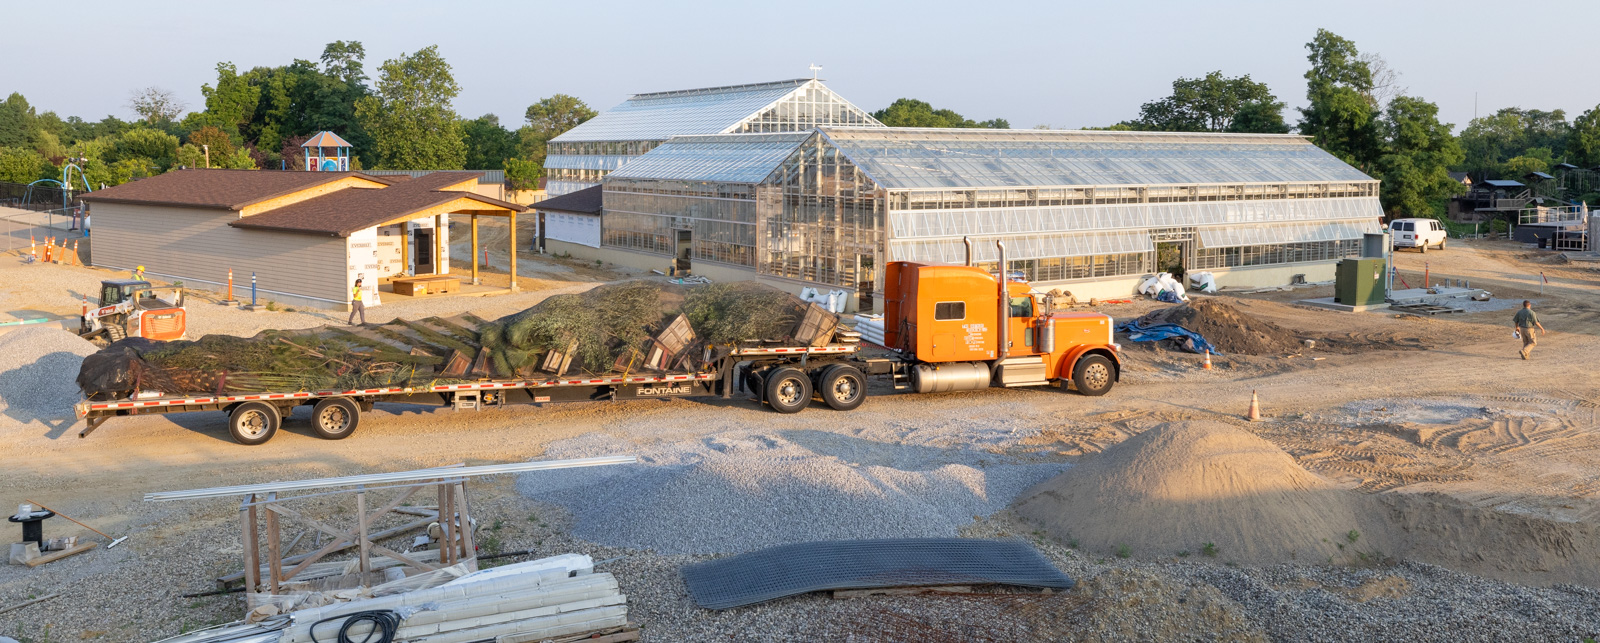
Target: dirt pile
[
  {"x": 1212, "y": 490},
  {"x": 1128, "y": 603},
  {"x": 1227, "y": 328},
  {"x": 1178, "y": 487},
  {"x": 31, "y": 363}
]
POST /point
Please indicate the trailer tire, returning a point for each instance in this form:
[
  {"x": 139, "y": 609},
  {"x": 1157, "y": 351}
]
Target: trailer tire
[
  {"x": 843, "y": 387},
  {"x": 253, "y": 423},
  {"x": 335, "y": 418},
  {"x": 788, "y": 389},
  {"x": 1094, "y": 375}
]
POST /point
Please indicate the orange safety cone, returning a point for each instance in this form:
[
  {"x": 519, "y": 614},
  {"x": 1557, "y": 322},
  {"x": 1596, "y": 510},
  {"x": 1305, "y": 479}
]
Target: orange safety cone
[
  {"x": 77, "y": 259},
  {"x": 1255, "y": 408},
  {"x": 1207, "y": 364},
  {"x": 33, "y": 250},
  {"x": 48, "y": 241},
  {"x": 85, "y": 307}
]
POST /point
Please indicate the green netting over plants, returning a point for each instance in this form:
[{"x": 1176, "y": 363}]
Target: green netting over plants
[{"x": 621, "y": 327}]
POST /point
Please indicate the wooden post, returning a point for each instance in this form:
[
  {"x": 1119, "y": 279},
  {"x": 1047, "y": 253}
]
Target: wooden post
[
  {"x": 446, "y": 537},
  {"x": 361, "y": 526},
  {"x": 474, "y": 249},
  {"x": 274, "y": 552},
  {"x": 469, "y": 545},
  {"x": 513, "y": 251},
  {"x": 439, "y": 266},
  {"x": 252, "y": 558},
  {"x": 405, "y": 248}
]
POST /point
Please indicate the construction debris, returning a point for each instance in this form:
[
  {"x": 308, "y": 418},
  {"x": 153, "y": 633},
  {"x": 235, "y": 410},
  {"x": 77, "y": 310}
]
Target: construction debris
[{"x": 55, "y": 556}]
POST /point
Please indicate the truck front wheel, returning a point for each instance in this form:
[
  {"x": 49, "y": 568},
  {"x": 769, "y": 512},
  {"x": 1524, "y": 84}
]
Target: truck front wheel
[
  {"x": 253, "y": 423},
  {"x": 335, "y": 418},
  {"x": 788, "y": 390},
  {"x": 843, "y": 387},
  {"x": 1094, "y": 375}
]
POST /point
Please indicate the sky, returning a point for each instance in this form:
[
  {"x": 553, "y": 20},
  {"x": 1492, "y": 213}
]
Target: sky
[{"x": 1064, "y": 64}]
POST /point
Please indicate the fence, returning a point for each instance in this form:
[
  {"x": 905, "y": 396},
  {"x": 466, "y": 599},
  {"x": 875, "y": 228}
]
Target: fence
[{"x": 37, "y": 197}]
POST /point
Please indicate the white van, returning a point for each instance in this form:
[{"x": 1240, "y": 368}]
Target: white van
[{"x": 1417, "y": 233}]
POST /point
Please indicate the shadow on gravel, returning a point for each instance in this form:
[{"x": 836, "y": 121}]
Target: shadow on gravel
[{"x": 32, "y": 393}]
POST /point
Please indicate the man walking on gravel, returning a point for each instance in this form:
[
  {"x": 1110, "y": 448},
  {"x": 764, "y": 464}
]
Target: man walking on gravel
[
  {"x": 356, "y": 306},
  {"x": 1526, "y": 321}
]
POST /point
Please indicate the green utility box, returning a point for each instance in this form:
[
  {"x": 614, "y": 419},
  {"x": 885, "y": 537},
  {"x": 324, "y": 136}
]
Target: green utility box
[{"x": 1360, "y": 282}]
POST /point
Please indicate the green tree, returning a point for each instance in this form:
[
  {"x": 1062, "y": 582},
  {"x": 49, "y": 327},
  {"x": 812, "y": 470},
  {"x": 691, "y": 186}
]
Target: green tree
[
  {"x": 1583, "y": 144},
  {"x": 488, "y": 144},
  {"x": 1213, "y": 104},
  {"x": 158, "y": 148},
  {"x": 22, "y": 165},
  {"x": 410, "y": 117},
  {"x": 18, "y": 122},
  {"x": 910, "y": 112},
  {"x": 1492, "y": 141},
  {"x": 523, "y": 174},
  {"x": 233, "y": 101},
  {"x": 219, "y": 142},
  {"x": 547, "y": 119},
  {"x": 1341, "y": 116},
  {"x": 1417, "y": 158},
  {"x": 1519, "y": 166}
]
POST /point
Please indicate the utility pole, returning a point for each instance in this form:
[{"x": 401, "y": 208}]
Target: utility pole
[{"x": 207, "y": 150}]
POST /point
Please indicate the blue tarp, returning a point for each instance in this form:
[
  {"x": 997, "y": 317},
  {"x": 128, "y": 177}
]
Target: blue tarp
[{"x": 1190, "y": 340}]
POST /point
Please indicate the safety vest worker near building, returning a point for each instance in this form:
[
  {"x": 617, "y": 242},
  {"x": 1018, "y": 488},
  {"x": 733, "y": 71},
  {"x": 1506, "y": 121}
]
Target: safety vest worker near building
[
  {"x": 1525, "y": 321},
  {"x": 138, "y": 273},
  {"x": 356, "y": 306}
]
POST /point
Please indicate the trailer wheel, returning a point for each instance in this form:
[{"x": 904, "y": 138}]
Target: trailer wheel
[
  {"x": 253, "y": 423},
  {"x": 788, "y": 390},
  {"x": 843, "y": 387},
  {"x": 1094, "y": 375},
  {"x": 335, "y": 418}
]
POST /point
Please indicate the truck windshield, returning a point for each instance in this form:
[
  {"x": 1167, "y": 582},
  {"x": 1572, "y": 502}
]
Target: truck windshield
[{"x": 1021, "y": 306}]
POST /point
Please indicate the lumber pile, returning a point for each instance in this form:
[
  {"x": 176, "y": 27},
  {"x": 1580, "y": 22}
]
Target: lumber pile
[{"x": 628, "y": 327}]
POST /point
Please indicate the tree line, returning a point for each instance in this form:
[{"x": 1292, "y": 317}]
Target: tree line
[{"x": 405, "y": 119}]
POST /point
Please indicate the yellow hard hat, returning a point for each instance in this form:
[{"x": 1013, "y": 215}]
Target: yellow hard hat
[{"x": 139, "y": 268}]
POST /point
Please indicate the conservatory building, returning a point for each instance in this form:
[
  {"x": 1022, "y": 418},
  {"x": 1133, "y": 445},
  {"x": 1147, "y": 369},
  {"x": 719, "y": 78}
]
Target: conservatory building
[
  {"x": 1090, "y": 212},
  {"x": 581, "y": 156}
]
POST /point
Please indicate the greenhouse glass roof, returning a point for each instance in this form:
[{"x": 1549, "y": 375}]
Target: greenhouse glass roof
[
  {"x": 662, "y": 115},
  {"x": 726, "y": 158},
  {"x": 912, "y": 158}
]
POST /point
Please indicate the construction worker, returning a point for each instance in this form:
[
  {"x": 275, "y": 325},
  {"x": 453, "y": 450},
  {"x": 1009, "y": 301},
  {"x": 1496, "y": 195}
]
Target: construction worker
[
  {"x": 138, "y": 273},
  {"x": 356, "y": 305},
  {"x": 1525, "y": 321}
]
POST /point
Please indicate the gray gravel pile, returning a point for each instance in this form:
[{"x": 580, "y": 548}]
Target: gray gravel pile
[
  {"x": 742, "y": 491},
  {"x": 37, "y": 371}
]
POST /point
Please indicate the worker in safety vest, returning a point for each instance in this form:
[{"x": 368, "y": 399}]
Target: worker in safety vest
[
  {"x": 138, "y": 273},
  {"x": 356, "y": 305}
]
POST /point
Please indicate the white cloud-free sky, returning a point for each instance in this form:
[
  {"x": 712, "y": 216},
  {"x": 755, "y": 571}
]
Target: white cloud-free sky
[{"x": 1063, "y": 64}]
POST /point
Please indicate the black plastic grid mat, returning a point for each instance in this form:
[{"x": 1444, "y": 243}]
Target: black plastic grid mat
[{"x": 788, "y": 570}]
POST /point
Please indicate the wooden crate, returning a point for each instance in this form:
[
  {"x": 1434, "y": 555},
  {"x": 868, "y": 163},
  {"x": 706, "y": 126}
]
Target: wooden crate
[{"x": 426, "y": 285}]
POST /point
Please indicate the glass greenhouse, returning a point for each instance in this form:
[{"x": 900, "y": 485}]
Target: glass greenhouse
[
  {"x": 580, "y": 157},
  {"x": 833, "y": 204}
]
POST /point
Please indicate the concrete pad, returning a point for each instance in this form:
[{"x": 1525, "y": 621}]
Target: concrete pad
[{"x": 1330, "y": 304}]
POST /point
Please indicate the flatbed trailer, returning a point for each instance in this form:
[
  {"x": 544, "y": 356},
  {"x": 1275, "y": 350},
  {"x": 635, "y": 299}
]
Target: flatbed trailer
[
  {"x": 255, "y": 417},
  {"x": 949, "y": 328}
]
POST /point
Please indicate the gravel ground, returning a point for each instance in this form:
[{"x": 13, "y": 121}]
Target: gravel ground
[
  {"x": 739, "y": 491},
  {"x": 32, "y": 362}
]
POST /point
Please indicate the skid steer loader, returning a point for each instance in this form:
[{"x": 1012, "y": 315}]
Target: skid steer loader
[{"x": 131, "y": 308}]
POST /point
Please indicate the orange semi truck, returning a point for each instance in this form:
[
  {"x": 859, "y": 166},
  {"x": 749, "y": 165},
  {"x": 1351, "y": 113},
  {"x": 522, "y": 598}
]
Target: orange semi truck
[{"x": 951, "y": 328}]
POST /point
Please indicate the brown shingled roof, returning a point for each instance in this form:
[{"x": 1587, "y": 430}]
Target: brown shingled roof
[
  {"x": 341, "y": 213},
  {"x": 585, "y": 201},
  {"x": 217, "y": 189}
]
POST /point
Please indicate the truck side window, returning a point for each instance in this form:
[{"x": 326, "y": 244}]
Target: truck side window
[
  {"x": 1021, "y": 306},
  {"x": 950, "y": 311}
]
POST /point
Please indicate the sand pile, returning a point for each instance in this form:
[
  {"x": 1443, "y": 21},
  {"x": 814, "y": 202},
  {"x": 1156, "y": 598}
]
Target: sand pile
[
  {"x": 1227, "y": 328},
  {"x": 1178, "y": 487}
]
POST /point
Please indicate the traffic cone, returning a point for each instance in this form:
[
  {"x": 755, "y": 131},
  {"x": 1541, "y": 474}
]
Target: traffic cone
[
  {"x": 47, "y": 245},
  {"x": 77, "y": 259},
  {"x": 1255, "y": 408},
  {"x": 1207, "y": 364},
  {"x": 33, "y": 250}
]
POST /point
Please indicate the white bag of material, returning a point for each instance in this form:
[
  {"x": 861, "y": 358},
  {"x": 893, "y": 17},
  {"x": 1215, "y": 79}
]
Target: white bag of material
[
  {"x": 1203, "y": 281},
  {"x": 1165, "y": 283},
  {"x": 1149, "y": 286}
]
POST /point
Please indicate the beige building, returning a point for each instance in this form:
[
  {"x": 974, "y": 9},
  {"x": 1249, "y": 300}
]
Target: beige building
[{"x": 305, "y": 236}]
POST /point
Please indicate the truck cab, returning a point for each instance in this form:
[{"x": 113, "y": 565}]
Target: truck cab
[{"x": 953, "y": 323}]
